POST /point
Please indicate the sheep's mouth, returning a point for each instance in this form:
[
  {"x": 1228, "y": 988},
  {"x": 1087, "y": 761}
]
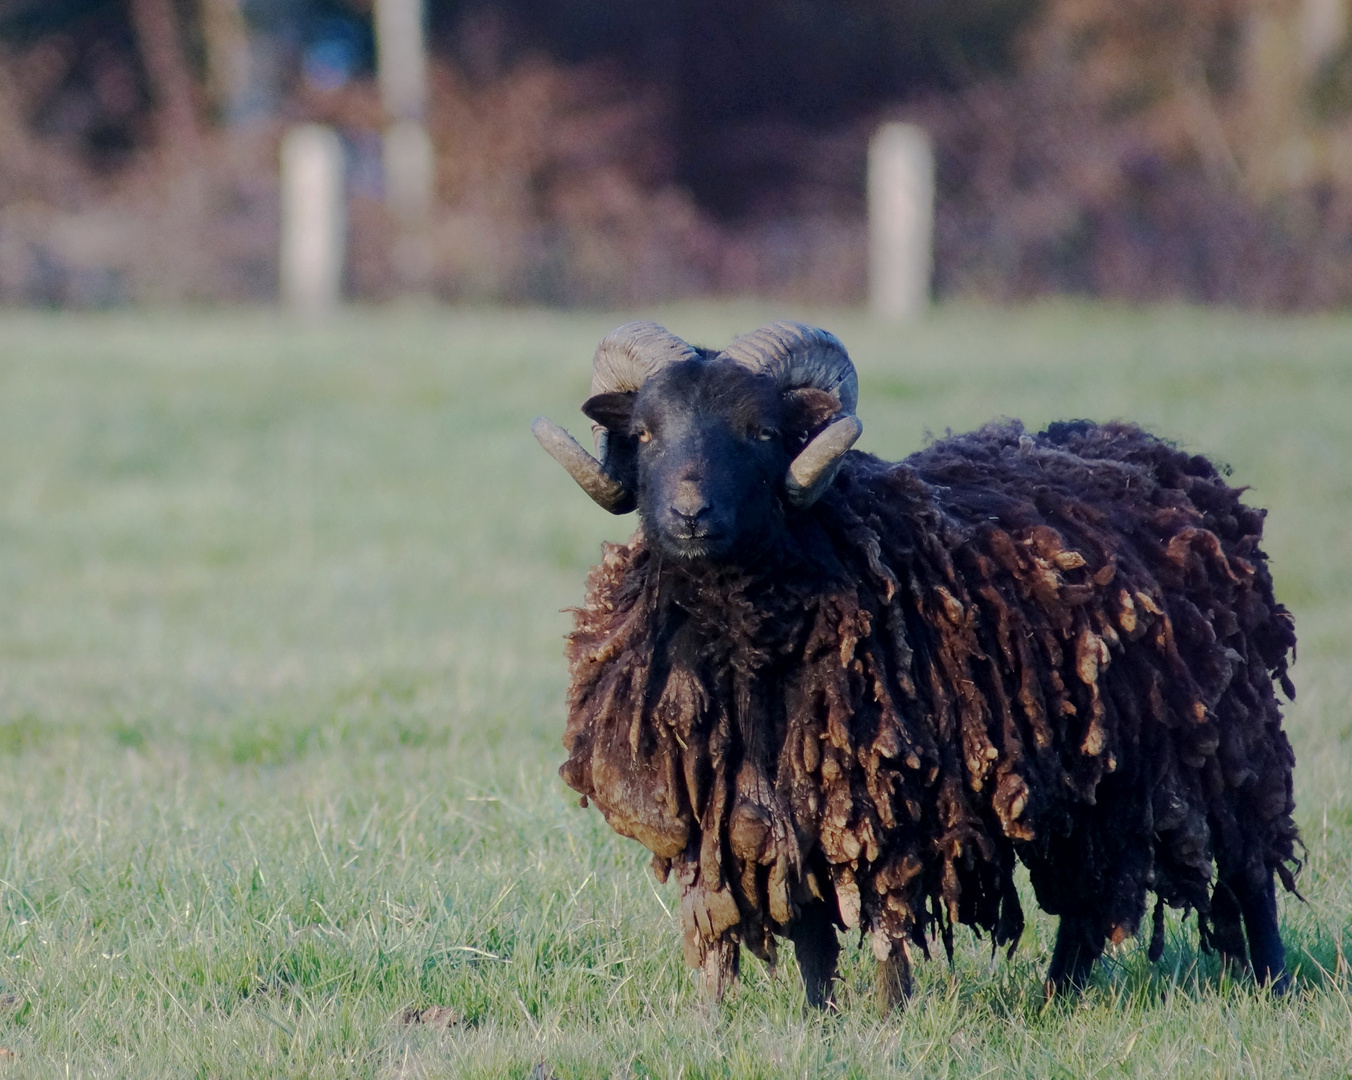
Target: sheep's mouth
[
  {"x": 691, "y": 547},
  {"x": 700, "y": 542}
]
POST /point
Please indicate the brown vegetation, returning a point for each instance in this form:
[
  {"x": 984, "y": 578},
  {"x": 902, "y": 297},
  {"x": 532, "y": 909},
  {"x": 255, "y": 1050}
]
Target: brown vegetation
[
  {"x": 1148, "y": 151},
  {"x": 1142, "y": 151}
]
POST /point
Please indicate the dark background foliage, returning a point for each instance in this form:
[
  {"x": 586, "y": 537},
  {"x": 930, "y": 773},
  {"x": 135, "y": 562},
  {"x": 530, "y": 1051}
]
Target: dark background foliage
[{"x": 600, "y": 151}]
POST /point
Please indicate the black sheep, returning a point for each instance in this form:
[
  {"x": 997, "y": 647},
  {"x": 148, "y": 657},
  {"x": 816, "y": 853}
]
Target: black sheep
[{"x": 827, "y": 690}]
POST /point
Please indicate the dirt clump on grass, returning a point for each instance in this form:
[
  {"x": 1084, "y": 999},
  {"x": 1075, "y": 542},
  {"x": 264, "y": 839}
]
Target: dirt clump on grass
[{"x": 433, "y": 1016}]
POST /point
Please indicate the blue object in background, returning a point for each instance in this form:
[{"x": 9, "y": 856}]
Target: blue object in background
[{"x": 336, "y": 51}]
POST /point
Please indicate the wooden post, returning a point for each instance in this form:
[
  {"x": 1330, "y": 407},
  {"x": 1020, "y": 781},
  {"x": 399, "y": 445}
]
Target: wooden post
[
  {"x": 314, "y": 211},
  {"x": 410, "y": 171},
  {"x": 901, "y": 220},
  {"x": 401, "y": 58},
  {"x": 410, "y": 164}
]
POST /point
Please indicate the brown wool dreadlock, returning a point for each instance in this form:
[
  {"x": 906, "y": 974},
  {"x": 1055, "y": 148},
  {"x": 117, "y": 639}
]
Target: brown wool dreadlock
[{"x": 1057, "y": 648}]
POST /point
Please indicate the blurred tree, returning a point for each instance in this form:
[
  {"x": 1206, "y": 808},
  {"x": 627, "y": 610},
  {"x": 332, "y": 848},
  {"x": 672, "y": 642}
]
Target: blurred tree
[
  {"x": 1133, "y": 148},
  {"x": 738, "y": 75},
  {"x": 225, "y": 38},
  {"x": 160, "y": 41},
  {"x": 1146, "y": 149}
]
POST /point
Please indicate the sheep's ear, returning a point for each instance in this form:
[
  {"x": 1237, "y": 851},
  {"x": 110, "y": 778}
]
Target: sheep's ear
[
  {"x": 612, "y": 411},
  {"x": 806, "y": 409}
]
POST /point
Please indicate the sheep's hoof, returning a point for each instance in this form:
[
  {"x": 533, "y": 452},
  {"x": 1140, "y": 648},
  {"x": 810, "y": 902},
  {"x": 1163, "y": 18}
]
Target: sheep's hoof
[
  {"x": 817, "y": 948},
  {"x": 1067, "y": 983},
  {"x": 1078, "y": 945},
  {"x": 893, "y": 982},
  {"x": 719, "y": 970},
  {"x": 1054, "y": 988}
]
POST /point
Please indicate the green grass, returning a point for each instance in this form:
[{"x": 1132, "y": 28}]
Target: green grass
[{"x": 281, "y": 692}]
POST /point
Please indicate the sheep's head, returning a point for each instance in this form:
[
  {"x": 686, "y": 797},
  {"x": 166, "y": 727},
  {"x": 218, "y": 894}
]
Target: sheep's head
[{"x": 713, "y": 448}]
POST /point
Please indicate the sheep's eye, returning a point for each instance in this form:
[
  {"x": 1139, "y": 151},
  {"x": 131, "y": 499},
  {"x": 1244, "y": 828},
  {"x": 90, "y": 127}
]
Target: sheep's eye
[
  {"x": 765, "y": 434},
  {"x": 644, "y": 435}
]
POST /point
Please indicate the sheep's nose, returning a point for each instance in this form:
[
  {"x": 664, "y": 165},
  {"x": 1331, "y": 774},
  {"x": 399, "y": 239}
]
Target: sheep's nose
[{"x": 689, "y": 502}]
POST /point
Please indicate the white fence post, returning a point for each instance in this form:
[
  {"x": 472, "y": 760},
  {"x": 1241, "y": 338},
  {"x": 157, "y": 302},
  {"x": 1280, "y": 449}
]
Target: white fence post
[
  {"x": 901, "y": 220},
  {"x": 410, "y": 170},
  {"x": 401, "y": 59},
  {"x": 314, "y": 212},
  {"x": 401, "y": 63}
]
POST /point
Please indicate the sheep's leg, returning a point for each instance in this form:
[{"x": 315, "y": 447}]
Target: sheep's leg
[
  {"x": 1227, "y": 934},
  {"x": 1078, "y": 944},
  {"x": 1266, "y": 950},
  {"x": 719, "y": 970},
  {"x": 893, "y": 979},
  {"x": 815, "y": 944}
]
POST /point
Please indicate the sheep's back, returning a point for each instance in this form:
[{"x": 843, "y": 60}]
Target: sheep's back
[{"x": 1126, "y": 643}]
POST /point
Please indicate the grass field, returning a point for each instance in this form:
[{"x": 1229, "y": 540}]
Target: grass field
[{"x": 281, "y": 696}]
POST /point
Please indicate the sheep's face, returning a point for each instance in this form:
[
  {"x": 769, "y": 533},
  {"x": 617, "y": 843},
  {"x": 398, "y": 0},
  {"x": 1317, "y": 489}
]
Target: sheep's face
[{"x": 705, "y": 444}]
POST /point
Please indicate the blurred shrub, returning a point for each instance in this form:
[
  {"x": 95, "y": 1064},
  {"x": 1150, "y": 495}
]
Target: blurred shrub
[
  {"x": 161, "y": 229},
  {"x": 608, "y": 153},
  {"x": 559, "y": 184},
  {"x": 555, "y": 185},
  {"x": 1145, "y": 150}
]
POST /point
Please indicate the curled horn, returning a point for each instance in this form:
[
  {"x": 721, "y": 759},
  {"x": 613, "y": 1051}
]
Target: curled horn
[
  {"x": 795, "y": 356},
  {"x": 625, "y": 358},
  {"x": 630, "y": 353},
  {"x": 590, "y": 474}
]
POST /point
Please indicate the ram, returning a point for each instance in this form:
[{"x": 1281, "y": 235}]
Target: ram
[{"x": 827, "y": 691}]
